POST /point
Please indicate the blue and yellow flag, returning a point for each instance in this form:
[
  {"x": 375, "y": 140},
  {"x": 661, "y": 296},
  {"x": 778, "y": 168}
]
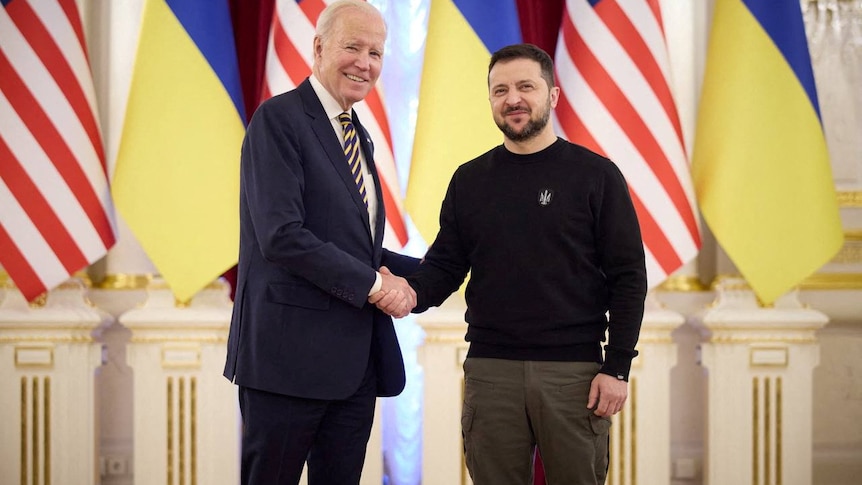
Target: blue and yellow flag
[
  {"x": 176, "y": 182},
  {"x": 454, "y": 122},
  {"x": 761, "y": 167}
]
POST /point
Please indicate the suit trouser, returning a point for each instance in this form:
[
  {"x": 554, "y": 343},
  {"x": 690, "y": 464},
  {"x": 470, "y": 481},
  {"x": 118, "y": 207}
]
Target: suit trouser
[
  {"x": 511, "y": 407},
  {"x": 281, "y": 433}
]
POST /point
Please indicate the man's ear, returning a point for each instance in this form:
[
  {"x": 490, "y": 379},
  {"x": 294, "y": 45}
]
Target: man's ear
[
  {"x": 318, "y": 47},
  {"x": 555, "y": 96}
]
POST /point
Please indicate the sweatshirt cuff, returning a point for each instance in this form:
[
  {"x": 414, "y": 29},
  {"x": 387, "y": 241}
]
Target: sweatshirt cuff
[{"x": 618, "y": 362}]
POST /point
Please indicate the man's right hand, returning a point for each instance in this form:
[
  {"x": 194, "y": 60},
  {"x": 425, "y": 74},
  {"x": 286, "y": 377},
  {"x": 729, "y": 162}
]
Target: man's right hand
[{"x": 395, "y": 297}]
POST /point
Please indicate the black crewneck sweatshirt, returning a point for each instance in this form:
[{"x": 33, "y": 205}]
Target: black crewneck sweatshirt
[{"x": 552, "y": 243}]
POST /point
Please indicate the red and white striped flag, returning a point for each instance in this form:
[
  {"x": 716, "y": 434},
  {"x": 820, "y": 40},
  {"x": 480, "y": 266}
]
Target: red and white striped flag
[
  {"x": 288, "y": 63},
  {"x": 56, "y": 214},
  {"x": 612, "y": 66}
]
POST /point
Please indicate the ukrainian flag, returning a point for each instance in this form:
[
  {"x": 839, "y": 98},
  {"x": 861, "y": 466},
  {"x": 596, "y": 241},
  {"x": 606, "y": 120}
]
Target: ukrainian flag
[
  {"x": 454, "y": 122},
  {"x": 761, "y": 168},
  {"x": 176, "y": 182}
]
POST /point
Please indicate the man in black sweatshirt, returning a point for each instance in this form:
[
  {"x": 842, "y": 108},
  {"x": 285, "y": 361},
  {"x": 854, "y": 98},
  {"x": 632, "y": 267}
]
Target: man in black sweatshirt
[{"x": 549, "y": 235}]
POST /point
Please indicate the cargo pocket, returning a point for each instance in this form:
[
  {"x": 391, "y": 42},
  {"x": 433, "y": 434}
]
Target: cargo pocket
[
  {"x": 601, "y": 427},
  {"x": 467, "y": 414}
]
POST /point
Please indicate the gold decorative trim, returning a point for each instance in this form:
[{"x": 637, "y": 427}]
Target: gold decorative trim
[
  {"x": 767, "y": 432},
  {"x": 739, "y": 284},
  {"x": 437, "y": 339},
  {"x": 181, "y": 432},
  {"x": 124, "y": 281},
  {"x": 21, "y": 359},
  {"x": 733, "y": 339},
  {"x": 170, "y": 433},
  {"x": 24, "y": 431},
  {"x": 75, "y": 339},
  {"x": 84, "y": 277},
  {"x": 4, "y": 278},
  {"x": 832, "y": 281},
  {"x": 47, "y": 437},
  {"x": 655, "y": 340},
  {"x": 779, "y": 358},
  {"x": 35, "y": 444},
  {"x": 850, "y": 198},
  {"x": 817, "y": 281},
  {"x": 193, "y": 438},
  {"x": 755, "y": 432},
  {"x": 39, "y": 301},
  {"x": 778, "y": 435},
  {"x": 181, "y": 356},
  {"x": 167, "y": 338},
  {"x": 683, "y": 283}
]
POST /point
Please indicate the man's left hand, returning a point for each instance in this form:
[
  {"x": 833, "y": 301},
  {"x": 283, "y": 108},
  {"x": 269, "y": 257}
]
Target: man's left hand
[{"x": 607, "y": 395}]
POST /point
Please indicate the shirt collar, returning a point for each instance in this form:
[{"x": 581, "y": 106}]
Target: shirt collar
[{"x": 330, "y": 105}]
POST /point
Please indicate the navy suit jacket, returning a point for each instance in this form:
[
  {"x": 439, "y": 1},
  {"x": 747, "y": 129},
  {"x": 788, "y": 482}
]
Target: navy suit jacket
[{"x": 301, "y": 323}]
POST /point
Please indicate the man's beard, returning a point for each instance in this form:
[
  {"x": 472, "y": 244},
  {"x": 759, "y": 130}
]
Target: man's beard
[{"x": 530, "y": 130}]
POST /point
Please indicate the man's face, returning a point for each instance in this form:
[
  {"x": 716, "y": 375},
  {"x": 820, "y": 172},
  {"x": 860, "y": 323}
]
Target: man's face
[
  {"x": 349, "y": 61},
  {"x": 520, "y": 99}
]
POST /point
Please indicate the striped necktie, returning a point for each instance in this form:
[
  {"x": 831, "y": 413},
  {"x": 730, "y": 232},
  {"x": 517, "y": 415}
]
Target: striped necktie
[{"x": 351, "y": 152}]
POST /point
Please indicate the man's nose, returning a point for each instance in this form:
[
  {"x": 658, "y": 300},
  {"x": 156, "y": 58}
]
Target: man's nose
[
  {"x": 513, "y": 98},
  {"x": 363, "y": 61}
]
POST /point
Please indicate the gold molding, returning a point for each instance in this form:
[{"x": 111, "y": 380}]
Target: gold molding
[
  {"x": 168, "y": 338},
  {"x": 125, "y": 281},
  {"x": 23, "y": 407},
  {"x": 850, "y": 198},
  {"x": 181, "y": 356},
  {"x": 782, "y": 350},
  {"x": 48, "y": 351},
  {"x": 683, "y": 283},
  {"x": 749, "y": 339},
  {"x": 755, "y": 431},
  {"x": 832, "y": 281},
  {"x": 170, "y": 431},
  {"x": 75, "y": 339}
]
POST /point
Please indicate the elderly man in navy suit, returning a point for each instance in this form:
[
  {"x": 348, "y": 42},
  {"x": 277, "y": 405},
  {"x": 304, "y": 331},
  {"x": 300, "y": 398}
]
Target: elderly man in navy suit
[{"x": 308, "y": 352}]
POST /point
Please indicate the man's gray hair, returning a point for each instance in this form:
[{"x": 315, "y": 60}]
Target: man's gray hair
[{"x": 326, "y": 21}]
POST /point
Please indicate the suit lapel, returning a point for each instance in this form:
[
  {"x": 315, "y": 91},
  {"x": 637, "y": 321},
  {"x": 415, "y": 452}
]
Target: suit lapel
[{"x": 332, "y": 146}]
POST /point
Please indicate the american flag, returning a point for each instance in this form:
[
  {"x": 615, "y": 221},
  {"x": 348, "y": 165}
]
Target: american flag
[
  {"x": 288, "y": 63},
  {"x": 56, "y": 214},
  {"x": 613, "y": 70}
]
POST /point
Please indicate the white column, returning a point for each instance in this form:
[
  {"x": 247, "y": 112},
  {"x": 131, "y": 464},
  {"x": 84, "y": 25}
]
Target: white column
[
  {"x": 442, "y": 356},
  {"x": 186, "y": 415},
  {"x": 760, "y": 370},
  {"x": 48, "y": 358},
  {"x": 640, "y": 435}
]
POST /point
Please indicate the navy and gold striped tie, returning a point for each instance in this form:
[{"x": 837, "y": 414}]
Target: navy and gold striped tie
[{"x": 351, "y": 152}]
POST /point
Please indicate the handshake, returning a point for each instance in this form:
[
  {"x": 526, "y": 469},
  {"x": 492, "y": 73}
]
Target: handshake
[{"x": 395, "y": 296}]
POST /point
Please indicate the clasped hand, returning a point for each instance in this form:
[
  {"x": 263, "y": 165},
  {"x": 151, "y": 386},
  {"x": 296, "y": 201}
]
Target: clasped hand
[{"x": 395, "y": 297}]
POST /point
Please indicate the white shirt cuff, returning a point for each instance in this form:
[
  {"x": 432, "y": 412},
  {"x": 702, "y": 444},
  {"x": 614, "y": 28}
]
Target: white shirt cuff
[{"x": 378, "y": 283}]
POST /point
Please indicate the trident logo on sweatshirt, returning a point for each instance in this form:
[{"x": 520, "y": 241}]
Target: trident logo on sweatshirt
[{"x": 545, "y": 196}]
